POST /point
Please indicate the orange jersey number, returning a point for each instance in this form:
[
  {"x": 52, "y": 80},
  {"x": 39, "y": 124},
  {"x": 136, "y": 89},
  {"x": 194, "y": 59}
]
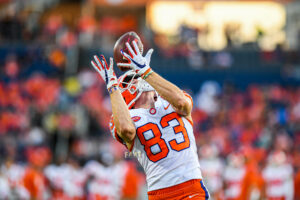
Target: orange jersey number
[
  {"x": 156, "y": 139},
  {"x": 153, "y": 141},
  {"x": 164, "y": 122}
]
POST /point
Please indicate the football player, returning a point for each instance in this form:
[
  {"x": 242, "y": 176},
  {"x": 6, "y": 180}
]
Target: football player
[
  {"x": 278, "y": 177},
  {"x": 110, "y": 177},
  {"x": 237, "y": 178},
  {"x": 212, "y": 167},
  {"x": 152, "y": 118}
]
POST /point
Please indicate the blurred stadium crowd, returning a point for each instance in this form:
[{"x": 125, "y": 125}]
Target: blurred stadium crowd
[{"x": 54, "y": 136}]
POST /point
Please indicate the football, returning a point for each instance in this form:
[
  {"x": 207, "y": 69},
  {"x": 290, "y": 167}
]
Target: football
[{"x": 121, "y": 45}]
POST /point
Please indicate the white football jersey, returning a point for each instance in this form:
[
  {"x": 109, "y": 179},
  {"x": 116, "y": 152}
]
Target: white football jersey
[
  {"x": 279, "y": 181},
  {"x": 164, "y": 145},
  {"x": 233, "y": 178},
  {"x": 55, "y": 175},
  {"x": 212, "y": 169},
  {"x": 74, "y": 180},
  {"x": 108, "y": 181}
]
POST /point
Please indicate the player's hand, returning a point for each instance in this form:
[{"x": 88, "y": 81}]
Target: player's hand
[
  {"x": 136, "y": 61},
  {"x": 106, "y": 71}
]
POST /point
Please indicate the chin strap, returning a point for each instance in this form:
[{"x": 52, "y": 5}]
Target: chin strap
[{"x": 143, "y": 86}]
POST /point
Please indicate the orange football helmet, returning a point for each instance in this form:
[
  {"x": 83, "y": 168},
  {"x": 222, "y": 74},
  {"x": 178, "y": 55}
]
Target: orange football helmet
[{"x": 131, "y": 86}]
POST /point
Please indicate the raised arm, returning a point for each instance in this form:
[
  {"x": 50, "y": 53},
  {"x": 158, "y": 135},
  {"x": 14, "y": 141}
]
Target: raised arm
[
  {"x": 121, "y": 116},
  {"x": 122, "y": 120},
  {"x": 170, "y": 92}
]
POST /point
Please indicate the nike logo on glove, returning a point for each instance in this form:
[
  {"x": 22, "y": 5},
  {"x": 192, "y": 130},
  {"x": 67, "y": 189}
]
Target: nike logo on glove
[{"x": 137, "y": 64}]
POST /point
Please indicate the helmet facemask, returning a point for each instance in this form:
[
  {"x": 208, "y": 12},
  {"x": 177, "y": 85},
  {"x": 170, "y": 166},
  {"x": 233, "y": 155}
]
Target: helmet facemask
[{"x": 130, "y": 89}]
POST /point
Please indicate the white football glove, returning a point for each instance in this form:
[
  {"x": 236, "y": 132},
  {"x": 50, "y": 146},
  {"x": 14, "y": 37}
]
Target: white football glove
[
  {"x": 136, "y": 61},
  {"x": 106, "y": 71}
]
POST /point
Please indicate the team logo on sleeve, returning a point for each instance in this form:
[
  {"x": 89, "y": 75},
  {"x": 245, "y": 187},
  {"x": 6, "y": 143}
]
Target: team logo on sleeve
[{"x": 136, "y": 118}]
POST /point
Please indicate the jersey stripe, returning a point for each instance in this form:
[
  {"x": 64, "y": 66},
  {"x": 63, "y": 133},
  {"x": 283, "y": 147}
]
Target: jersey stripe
[
  {"x": 189, "y": 96},
  {"x": 191, "y": 122},
  {"x": 205, "y": 190}
]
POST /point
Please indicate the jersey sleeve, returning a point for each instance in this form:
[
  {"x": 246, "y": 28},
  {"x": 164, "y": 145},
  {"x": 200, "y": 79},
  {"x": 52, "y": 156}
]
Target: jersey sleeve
[
  {"x": 166, "y": 104},
  {"x": 189, "y": 96},
  {"x": 114, "y": 134}
]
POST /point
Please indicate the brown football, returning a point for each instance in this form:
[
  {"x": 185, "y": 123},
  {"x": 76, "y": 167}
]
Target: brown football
[{"x": 121, "y": 45}]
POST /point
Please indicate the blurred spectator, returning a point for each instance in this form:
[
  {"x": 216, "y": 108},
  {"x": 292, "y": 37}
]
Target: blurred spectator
[
  {"x": 278, "y": 177},
  {"x": 11, "y": 178},
  {"x": 53, "y": 24},
  {"x": 34, "y": 179},
  {"x": 110, "y": 177},
  {"x": 212, "y": 167},
  {"x": 87, "y": 28},
  {"x": 232, "y": 34},
  {"x": 297, "y": 186},
  {"x": 206, "y": 99},
  {"x": 223, "y": 59},
  {"x": 57, "y": 57},
  {"x": 237, "y": 178},
  {"x": 11, "y": 26}
]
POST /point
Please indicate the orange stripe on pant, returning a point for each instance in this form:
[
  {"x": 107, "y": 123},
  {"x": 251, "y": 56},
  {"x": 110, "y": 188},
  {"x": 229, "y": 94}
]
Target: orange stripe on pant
[{"x": 193, "y": 189}]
